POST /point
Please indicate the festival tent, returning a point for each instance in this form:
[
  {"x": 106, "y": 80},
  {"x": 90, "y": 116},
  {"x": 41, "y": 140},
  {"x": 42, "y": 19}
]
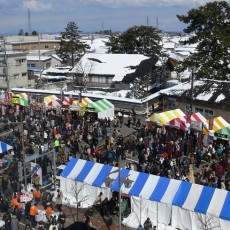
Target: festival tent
[
  {"x": 4, "y": 147},
  {"x": 152, "y": 190},
  {"x": 195, "y": 121},
  {"x": 223, "y": 133},
  {"x": 24, "y": 101},
  {"x": 219, "y": 123},
  {"x": 165, "y": 117},
  {"x": 103, "y": 108},
  {"x": 52, "y": 101}
]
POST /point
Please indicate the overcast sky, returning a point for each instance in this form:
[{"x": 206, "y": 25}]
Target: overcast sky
[{"x": 92, "y": 15}]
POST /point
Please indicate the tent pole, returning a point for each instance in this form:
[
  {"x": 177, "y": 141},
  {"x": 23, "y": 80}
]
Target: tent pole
[{"x": 140, "y": 208}]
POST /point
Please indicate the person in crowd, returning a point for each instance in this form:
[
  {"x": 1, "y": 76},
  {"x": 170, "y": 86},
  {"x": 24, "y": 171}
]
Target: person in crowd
[
  {"x": 39, "y": 226},
  {"x": 33, "y": 213},
  {"x": 14, "y": 222},
  {"x": 53, "y": 223},
  {"x": 148, "y": 224},
  {"x": 7, "y": 219},
  {"x": 48, "y": 212},
  {"x": 36, "y": 195},
  {"x": 87, "y": 221},
  {"x": 27, "y": 209},
  {"x": 99, "y": 200},
  {"x": 58, "y": 202},
  {"x": 61, "y": 219},
  {"x": 36, "y": 181}
]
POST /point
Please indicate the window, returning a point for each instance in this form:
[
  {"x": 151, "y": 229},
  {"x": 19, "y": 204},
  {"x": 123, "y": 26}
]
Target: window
[
  {"x": 46, "y": 47},
  {"x": 20, "y": 61},
  {"x": 187, "y": 108},
  {"x": 16, "y": 76},
  {"x": 208, "y": 113},
  {"x": 204, "y": 112},
  {"x": 171, "y": 105},
  {"x": 199, "y": 110},
  {"x": 24, "y": 74}
]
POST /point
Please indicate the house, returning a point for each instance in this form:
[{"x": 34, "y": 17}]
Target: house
[
  {"x": 208, "y": 97},
  {"x": 106, "y": 71},
  {"x": 42, "y": 62},
  {"x": 25, "y": 45},
  {"x": 14, "y": 65}
]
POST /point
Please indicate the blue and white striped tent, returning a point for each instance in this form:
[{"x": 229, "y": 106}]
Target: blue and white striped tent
[
  {"x": 4, "y": 147},
  {"x": 193, "y": 197}
]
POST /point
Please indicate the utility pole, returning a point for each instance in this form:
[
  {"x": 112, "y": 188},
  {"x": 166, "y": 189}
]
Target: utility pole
[
  {"x": 6, "y": 68},
  {"x": 39, "y": 55},
  {"x": 147, "y": 22},
  {"x": 191, "y": 89}
]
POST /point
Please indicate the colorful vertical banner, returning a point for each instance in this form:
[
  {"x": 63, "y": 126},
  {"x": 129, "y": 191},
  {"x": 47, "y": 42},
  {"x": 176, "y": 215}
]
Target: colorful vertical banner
[
  {"x": 3, "y": 110},
  {"x": 211, "y": 122},
  {"x": 17, "y": 109},
  {"x": 36, "y": 169}
]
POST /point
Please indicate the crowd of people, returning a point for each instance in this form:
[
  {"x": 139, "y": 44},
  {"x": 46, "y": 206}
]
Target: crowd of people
[{"x": 159, "y": 150}]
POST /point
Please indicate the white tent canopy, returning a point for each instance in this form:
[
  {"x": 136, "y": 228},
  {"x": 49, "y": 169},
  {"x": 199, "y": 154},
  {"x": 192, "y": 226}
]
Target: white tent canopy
[{"x": 151, "y": 191}]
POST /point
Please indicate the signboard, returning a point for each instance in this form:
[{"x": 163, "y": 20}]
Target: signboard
[
  {"x": 220, "y": 135},
  {"x": 196, "y": 125},
  {"x": 89, "y": 109},
  {"x": 16, "y": 100}
]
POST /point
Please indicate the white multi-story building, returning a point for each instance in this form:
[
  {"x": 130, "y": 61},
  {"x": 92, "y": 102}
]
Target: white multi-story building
[{"x": 13, "y": 69}]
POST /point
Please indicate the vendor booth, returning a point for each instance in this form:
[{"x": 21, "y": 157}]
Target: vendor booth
[
  {"x": 162, "y": 199},
  {"x": 194, "y": 121},
  {"x": 103, "y": 108},
  {"x": 165, "y": 117},
  {"x": 52, "y": 101}
]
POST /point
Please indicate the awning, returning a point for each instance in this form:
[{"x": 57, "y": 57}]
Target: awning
[
  {"x": 186, "y": 195},
  {"x": 219, "y": 123},
  {"x": 165, "y": 117},
  {"x": 102, "y": 107},
  {"x": 194, "y": 121},
  {"x": 52, "y": 101},
  {"x": 23, "y": 98},
  {"x": 223, "y": 133},
  {"x": 4, "y": 147}
]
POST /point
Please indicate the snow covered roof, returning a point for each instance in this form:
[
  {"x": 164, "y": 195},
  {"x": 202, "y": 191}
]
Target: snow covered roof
[
  {"x": 56, "y": 57},
  {"x": 37, "y": 58},
  {"x": 204, "y": 90},
  {"x": 169, "y": 45},
  {"x": 64, "y": 69},
  {"x": 117, "y": 65}
]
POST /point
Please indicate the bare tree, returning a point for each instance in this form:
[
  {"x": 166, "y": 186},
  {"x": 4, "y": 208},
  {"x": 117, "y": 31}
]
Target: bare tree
[
  {"x": 82, "y": 72},
  {"x": 208, "y": 222},
  {"x": 75, "y": 212}
]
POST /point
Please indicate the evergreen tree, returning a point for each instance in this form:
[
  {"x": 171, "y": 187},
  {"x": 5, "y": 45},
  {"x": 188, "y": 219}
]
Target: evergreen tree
[
  {"x": 71, "y": 46},
  {"x": 34, "y": 33},
  {"x": 136, "y": 40},
  {"x": 209, "y": 28},
  {"x": 21, "y": 32}
]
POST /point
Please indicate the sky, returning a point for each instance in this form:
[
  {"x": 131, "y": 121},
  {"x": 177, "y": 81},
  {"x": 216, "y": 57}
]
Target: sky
[{"x": 52, "y": 16}]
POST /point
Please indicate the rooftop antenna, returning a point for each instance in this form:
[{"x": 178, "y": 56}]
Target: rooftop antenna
[
  {"x": 29, "y": 22},
  {"x": 103, "y": 28}
]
